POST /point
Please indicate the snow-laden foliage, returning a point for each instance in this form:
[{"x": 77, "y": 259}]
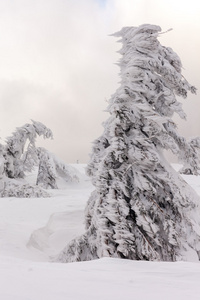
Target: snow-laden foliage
[
  {"x": 19, "y": 155},
  {"x": 30, "y": 158},
  {"x": 141, "y": 209},
  {"x": 51, "y": 168},
  {"x": 14, "y": 188},
  {"x": 195, "y": 145},
  {"x": 46, "y": 173},
  {"x": 17, "y": 158}
]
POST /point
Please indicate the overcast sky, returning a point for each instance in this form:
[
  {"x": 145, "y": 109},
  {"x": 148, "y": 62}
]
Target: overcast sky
[{"x": 57, "y": 63}]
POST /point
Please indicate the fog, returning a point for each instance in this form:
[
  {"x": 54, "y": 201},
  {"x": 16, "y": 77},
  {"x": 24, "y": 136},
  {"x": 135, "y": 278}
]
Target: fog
[{"x": 57, "y": 64}]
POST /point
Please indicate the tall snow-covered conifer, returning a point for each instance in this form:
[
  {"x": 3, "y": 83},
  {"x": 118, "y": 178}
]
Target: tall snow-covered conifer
[{"x": 141, "y": 208}]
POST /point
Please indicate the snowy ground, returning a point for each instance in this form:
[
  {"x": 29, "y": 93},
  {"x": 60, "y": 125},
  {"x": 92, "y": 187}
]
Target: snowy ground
[{"x": 32, "y": 230}]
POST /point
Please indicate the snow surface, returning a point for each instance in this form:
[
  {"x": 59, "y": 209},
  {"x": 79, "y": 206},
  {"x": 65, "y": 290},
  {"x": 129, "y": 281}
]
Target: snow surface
[{"x": 34, "y": 230}]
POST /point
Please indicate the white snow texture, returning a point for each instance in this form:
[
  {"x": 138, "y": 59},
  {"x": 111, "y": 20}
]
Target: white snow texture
[{"x": 26, "y": 274}]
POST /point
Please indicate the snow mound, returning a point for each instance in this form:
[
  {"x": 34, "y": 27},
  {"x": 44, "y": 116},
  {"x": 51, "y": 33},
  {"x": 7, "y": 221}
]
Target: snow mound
[{"x": 60, "y": 229}]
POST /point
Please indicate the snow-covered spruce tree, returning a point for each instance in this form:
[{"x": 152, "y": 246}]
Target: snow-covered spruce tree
[
  {"x": 18, "y": 159},
  {"x": 195, "y": 145},
  {"x": 2, "y": 163},
  {"x": 46, "y": 173},
  {"x": 141, "y": 208},
  {"x": 51, "y": 168}
]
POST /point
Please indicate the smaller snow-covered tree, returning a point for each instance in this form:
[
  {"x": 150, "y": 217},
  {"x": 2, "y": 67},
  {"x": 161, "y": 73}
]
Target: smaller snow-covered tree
[
  {"x": 46, "y": 172},
  {"x": 194, "y": 144},
  {"x": 20, "y": 155},
  {"x": 15, "y": 155},
  {"x": 65, "y": 171},
  {"x": 51, "y": 168},
  {"x": 2, "y": 166}
]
